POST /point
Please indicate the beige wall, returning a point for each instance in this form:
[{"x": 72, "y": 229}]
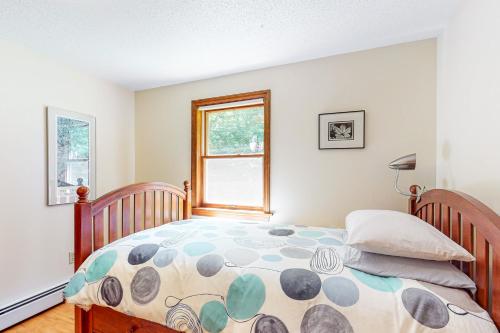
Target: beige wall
[
  {"x": 468, "y": 126},
  {"x": 396, "y": 86},
  {"x": 35, "y": 239}
]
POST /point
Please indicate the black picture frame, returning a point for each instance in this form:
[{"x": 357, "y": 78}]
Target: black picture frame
[{"x": 355, "y": 132}]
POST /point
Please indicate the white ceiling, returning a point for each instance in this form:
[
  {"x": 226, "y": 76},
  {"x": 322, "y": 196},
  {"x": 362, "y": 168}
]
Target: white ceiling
[{"x": 149, "y": 43}]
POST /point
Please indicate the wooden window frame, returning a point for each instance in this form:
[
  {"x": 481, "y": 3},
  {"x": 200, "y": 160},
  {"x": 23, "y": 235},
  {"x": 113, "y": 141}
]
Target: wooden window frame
[{"x": 198, "y": 155}]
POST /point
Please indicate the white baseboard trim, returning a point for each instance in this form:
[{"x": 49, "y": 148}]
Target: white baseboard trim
[{"x": 31, "y": 306}]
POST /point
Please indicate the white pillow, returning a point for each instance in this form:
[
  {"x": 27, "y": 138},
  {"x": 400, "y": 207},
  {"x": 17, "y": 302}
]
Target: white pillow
[{"x": 399, "y": 234}]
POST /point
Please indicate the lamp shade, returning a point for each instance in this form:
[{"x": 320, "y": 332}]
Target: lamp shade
[{"x": 408, "y": 162}]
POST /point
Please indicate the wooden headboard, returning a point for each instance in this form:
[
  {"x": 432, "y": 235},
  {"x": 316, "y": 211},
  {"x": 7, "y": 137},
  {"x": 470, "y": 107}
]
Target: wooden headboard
[
  {"x": 125, "y": 211},
  {"x": 475, "y": 227},
  {"x": 120, "y": 213}
]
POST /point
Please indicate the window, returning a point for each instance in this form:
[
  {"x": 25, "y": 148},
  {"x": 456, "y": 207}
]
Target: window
[{"x": 230, "y": 155}]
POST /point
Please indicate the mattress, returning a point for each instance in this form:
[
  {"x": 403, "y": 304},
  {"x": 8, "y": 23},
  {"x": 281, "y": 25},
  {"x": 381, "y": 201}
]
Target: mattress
[{"x": 208, "y": 275}]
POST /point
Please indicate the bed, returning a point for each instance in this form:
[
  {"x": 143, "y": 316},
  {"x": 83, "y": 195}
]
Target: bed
[{"x": 262, "y": 271}]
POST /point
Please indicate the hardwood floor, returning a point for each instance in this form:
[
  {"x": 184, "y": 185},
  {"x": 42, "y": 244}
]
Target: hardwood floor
[{"x": 59, "y": 319}]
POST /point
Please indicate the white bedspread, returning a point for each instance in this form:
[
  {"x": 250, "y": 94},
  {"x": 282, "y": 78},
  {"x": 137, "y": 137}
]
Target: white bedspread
[{"x": 229, "y": 276}]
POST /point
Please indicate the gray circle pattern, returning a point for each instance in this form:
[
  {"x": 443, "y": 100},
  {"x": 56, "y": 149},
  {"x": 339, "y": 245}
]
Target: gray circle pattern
[
  {"x": 270, "y": 324},
  {"x": 210, "y": 265},
  {"x": 111, "y": 291},
  {"x": 281, "y": 232},
  {"x": 300, "y": 284},
  {"x": 164, "y": 257},
  {"x": 425, "y": 308},
  {"x": 323, "y": 318},
  {"x": 341, "y": 291},
  {"x": 145, "y": 285},
  {"x": 142, "y": 253}
]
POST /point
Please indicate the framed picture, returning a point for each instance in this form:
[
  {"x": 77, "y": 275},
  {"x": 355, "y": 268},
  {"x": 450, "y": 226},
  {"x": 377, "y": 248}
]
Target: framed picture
[
  {"x": 71, "y": 155},
  {"x": 341, "y": 130}
]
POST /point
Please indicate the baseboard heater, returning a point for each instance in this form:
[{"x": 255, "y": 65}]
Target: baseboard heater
[{"x": 31, "y": 306}]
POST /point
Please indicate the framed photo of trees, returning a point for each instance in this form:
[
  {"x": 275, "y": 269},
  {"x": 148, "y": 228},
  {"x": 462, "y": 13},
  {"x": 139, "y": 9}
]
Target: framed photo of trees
[{"x": 71, "y": 155}]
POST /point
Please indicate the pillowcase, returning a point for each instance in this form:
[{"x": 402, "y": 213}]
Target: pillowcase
[
  {"x": 399, "y": 234},
  {"x": 442, "y": 273}
]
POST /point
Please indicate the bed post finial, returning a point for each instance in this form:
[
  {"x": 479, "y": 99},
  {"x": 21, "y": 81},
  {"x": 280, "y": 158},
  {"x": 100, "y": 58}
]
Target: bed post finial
[
  {"x": 413, "y": 190},
  {"x": 83, "y": 248},
  {"x": 412, "y": 201},
  {"x": 83, "y": 194},
  {"x": 187, "y": 203}
]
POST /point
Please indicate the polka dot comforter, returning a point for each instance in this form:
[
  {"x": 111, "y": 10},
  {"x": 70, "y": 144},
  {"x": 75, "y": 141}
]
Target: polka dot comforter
[{"x": 232, "y": 276}]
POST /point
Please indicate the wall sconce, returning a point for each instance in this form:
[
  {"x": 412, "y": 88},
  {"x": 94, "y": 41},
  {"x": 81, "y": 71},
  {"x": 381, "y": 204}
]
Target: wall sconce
[{"x": 407, "y": 162}]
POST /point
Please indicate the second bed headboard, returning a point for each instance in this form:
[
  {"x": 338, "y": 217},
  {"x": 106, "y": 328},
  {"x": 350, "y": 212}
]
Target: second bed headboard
[{"x": 476, "y": 228}]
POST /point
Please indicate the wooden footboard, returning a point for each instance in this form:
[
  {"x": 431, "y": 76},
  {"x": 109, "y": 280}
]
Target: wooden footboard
[
  {"x": 476, "y": 228},
  {"x": 115, "y": 215}
]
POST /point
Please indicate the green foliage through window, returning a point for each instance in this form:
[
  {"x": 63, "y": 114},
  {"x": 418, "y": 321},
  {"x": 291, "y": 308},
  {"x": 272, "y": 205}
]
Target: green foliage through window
[{"x": 239, "y": 131}]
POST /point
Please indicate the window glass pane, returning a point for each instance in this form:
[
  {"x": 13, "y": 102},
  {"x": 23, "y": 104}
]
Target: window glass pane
[
  {"x": 239, "y": 131},
  {"x": 234, "y": 181}
]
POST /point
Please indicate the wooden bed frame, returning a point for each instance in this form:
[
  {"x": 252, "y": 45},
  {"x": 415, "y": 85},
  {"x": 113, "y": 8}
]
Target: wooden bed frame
[{"x": 141, "y": 206}]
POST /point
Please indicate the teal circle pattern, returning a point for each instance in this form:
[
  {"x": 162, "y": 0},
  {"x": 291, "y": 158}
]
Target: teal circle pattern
[
  {"x": 245, "y": 296},
  {"x": 272, "y": 257},
  {"x": 74, "y": 285},
  {"x": 213, "y": 316},
  {"x": 330, "y": 241},
  {"x": 385, "y": 284},
  {"x": 198, "y": 248},
  {"x": 311, "y": 233},
  {"x": 101, "y": 266}
]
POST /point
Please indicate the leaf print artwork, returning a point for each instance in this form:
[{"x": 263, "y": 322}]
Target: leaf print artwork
[{"x": 341, "y": 130}]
